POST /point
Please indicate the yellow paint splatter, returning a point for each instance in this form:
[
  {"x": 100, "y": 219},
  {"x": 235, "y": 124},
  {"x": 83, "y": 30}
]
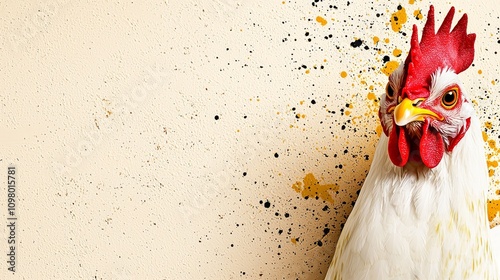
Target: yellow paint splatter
[
  {"x": 310, "y": 187},
  {"x": 398, "y": 19},
  {"x": 308, "y": 71},
  {"x": 411, "y": 2},
  {"x": 389, "y": 67},
  {"x": 418, "y": 14},
  {"x": 386, "y": 40},
  {"x": 321, "y": 20},
  {"x": 371, "y": 96},
  {"x": 376, "y": 40},
  {"x": 294, "y": 240},
  {"x": 378, "y": 129},
  {"x": 492, "y": 144},
  {"x": 490, "y": 161},
  {"x": 493, "y": 82},
  {"x": 397, "y": 52},
  {"x": 343, "y": 74},
  {"x": 355, "y": 119},
  {"x": 480, "y": 71},
  {"x": 493, "y": 209}
]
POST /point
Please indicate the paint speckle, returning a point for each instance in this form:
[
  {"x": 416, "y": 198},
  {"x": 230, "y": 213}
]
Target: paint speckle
[
  {"x": 389, "y": 67},
  {"x": 321, "y": 20},
  {"x": 492, "y": 158},
  {"x": 397, "y": 52},
  {"x": 493, "y": 209},
  {"x": 418, "y": 14},
  {"x": 343, "y": 74},
  {"x": 357, "y": 43},
  {"x": 311, "y": 188},
  {"x": 266, "y": 204},
  {"x": 398, "y": 19},
  {"x": 216, "y": 117}
]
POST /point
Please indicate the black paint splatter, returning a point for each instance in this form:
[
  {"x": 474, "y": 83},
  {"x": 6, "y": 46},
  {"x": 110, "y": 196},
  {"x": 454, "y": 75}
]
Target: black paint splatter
[{"x": 357, "y": 43}]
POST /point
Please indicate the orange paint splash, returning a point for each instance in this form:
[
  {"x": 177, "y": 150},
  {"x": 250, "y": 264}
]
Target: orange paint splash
[
  {"x": 492, "y": 157},
  {"x": 397, "y": 52},
  {"x": 493, "y": 209},
  {"x": 376, "y": 40},
  {"x": 321, "y": 20},
  {"x": 389, "y": 67},
  {"x": 343, "y": 74},
  {"x": 310, "y": 187},
  {"x": 418, "y": 14},
  {"x": 398, "y": 19}
]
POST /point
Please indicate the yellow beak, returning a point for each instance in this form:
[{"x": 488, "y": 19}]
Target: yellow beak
[{"x": 407, "y": 111}]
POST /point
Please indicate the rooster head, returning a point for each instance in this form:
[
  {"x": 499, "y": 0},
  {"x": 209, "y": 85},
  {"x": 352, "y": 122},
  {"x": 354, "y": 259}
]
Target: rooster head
[{"x": 425, "y": 111}]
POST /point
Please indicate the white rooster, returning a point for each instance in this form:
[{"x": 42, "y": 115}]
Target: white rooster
[{"x": 421, "y": 213}]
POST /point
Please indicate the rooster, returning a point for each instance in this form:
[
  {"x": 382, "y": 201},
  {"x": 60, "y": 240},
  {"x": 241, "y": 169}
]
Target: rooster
[{"x": 421, "y": 213}]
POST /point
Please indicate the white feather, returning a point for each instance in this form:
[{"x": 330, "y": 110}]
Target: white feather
[
  {"x": 420, "y": 223},
  {"x": 495, "y": 244}
]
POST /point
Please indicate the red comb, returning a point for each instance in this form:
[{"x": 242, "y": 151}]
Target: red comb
[{"x": 444, "y": 49}]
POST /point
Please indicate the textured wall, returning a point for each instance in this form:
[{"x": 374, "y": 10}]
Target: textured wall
[{"x": 203, "y": 140}]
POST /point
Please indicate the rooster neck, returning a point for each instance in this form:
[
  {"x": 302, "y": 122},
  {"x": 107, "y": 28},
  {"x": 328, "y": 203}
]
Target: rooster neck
[
  {"x": 420, "y": 223},
  {"x": 458, "y": 184}
]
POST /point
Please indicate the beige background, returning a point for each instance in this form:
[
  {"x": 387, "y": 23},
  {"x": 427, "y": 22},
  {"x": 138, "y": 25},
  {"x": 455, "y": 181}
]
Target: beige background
[{"x": 180, "y": 139}]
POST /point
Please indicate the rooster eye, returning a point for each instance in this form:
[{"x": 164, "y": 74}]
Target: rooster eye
[
  {"x": 450, "y": 98},
  {"x": 389, "y": 92}
]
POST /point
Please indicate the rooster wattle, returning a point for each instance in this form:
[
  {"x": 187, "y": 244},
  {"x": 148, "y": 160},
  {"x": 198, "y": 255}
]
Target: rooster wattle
[{"x": 421, "y": 213}]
